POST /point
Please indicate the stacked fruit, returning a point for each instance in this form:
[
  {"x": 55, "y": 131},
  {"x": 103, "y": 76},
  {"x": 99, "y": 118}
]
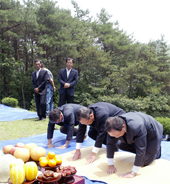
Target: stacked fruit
[
  {"x": 50, "y": 160},
  {"x": 25, "y": 151},
  {"x": 20, "y": 171}
]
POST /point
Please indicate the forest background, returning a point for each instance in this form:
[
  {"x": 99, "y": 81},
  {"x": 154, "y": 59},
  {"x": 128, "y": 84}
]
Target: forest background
[{"x": 112, "y": 66}]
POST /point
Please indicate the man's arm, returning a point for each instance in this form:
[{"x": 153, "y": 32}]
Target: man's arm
[
  {"x": 79, "y": 139},
  {"x": 44, "y": 81},
  {"x": 33, "y": 81},
  {"x": 60, "y": 79},
  {"x": 50, "y": 145},
  {"x": 74, "y": 82},
  {"x": 50, "y": 131},
  {"x": 52, "y": 83}
]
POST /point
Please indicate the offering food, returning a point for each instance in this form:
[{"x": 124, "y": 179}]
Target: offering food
[
  {"x": 37, "y": 152},
  {"x": 22, "y": 153},
  {"x": 50, "y": 160},
  {"x": 49, "y": 175},
  {"x": 66, "y": 170}
]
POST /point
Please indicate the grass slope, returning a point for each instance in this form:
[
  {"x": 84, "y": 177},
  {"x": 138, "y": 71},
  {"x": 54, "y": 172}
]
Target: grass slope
[{"x": 12, "y": 130}]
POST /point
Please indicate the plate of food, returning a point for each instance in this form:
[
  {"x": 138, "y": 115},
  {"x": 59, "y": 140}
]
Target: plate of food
[
  {"x": 67, "y": 174},
  {"x": 48, "y": 176},
  {"x": 25, "y": 181},
  {"x": 29, "y": 182}
]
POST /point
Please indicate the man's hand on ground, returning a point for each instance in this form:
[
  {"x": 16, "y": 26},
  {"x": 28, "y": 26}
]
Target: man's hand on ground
[
  {"x": 91, "y": 159},
  {"x": 77, "y": 155},
  {"x": 112, "y": 169},
  {"x": 62, "y": 147},
  {"x": 50, "y": 146},
  {"x": 127, "y": 175}
]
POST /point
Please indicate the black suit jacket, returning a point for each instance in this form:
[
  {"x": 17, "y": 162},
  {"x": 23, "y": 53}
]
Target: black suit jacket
[
  {"x": 69, "y": 112},
  {"x": 102, "y": 111},
  {"x": 40, "y": 82},
  {"x": 72, "y": 80},
  {"x": 143, "y": 131}
]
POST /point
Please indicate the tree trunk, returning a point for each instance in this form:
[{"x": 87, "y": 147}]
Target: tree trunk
[{"x": 23, "y": 97}]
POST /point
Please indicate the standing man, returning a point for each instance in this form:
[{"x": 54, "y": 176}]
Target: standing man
[
  {"x": 68, "y": 78},
  {"x": 39, "y": 80},
  {"x": 138, "y": 133},
  {"x": 64, "y": 116},
  {"x": 50, "y": 89},
  {"x": 94, "y": 116}
]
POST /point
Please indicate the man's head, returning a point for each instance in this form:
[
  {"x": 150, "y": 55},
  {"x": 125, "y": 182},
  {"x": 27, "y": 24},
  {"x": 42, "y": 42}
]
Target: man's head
[
  {"x": 85, "y": 116},
  {"x": 42, "y": 66},
  {"x": 55, "y": 116},
  {"x": 69, "y": 63},
  {"x": 115, "y": 126},
  {"x": 37, "y": 64}
]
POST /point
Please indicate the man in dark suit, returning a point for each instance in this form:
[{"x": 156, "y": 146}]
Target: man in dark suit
[
  {"x": 68, "y": 78},
  {"x": 138, "y": 133},
  {"x": 39, "y": 80},
  {"x": 94, "y": 116},
  {"x": 64, "y": 116}
]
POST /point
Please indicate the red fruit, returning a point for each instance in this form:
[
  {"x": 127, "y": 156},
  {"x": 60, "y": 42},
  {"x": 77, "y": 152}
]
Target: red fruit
[
  {"x": 7, "y": 149},
  {"x": 13, "y": 150},
  {"x": 20, "y": 145}
]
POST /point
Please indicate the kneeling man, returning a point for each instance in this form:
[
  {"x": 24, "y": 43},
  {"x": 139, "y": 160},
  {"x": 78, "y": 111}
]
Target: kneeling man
[
  {"x": 64, "y": 116},
  {"x": 136, "y": 132},
  {"x": 95, "y": 116}
]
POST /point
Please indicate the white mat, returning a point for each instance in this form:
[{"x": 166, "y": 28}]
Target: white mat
[{"x": 156, "y": 173}]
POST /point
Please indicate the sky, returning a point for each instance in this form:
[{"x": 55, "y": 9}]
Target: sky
[{"x": 147, "y": 20}]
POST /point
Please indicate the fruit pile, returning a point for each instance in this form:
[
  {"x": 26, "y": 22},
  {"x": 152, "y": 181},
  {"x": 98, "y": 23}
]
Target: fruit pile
[
  {"x": 20, "y": 171},
  {"x": 50, "y": 160},
  {"x": 25, "y": 151}
]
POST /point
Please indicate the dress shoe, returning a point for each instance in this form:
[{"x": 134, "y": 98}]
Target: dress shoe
[{"x": 39, "y": 119}]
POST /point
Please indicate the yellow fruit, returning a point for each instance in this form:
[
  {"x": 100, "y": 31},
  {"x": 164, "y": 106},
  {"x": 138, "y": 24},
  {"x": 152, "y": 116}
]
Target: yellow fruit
[
  {"x": 31, "y": 170},
  {"x": 30, "y": 146},
  {"x": 41, "y": 158},
  {"x": 22, "y": 153},
  {"x": 51, "y": 162},
  {"x": 58, "y": 159},
  {"x": 16, "y": 162},
  {"x": 37, "y": 152},
  {"x": 17, "y": 174},
  {"x": 44, "y": 162},
  {"x": 50, "y": 155}
]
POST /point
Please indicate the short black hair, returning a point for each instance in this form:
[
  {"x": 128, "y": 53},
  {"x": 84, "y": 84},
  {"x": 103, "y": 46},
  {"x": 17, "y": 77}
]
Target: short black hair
[
  {"x": 42, "y": 65},
  {"x": 115, "y": 123},
  {"x": 69, "y": 59},
  {"x": 83, "y": 112},
  {"x": 37, "y": 60},
  {"x": 54, "y": 115}
]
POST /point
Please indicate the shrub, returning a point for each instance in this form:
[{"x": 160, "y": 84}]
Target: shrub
[
  {"x": 166, "y": 124},
  {"x": 10, "y": 101}
]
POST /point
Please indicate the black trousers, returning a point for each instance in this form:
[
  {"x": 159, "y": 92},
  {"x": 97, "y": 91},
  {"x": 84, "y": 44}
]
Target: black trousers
[
  {"x": 92, "y": 133},
  {"x": 65, "y": 129},
  {"x": 40, "y": 101},
  {"x": 65, "y": 97},
  {"x": 149, "y": 158}
]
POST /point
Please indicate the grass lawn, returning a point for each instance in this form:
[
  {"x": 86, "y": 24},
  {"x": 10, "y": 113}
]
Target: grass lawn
[{"x": 11, "y": 130}]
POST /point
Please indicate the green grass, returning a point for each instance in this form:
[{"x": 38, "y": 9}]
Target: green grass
[{"x": 11, "y": 130}]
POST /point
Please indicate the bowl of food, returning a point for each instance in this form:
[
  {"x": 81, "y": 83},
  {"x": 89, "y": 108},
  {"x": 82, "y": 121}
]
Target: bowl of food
[
  {"x": 48, "y": 176},
  {"x": 67, "y": 174}
]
